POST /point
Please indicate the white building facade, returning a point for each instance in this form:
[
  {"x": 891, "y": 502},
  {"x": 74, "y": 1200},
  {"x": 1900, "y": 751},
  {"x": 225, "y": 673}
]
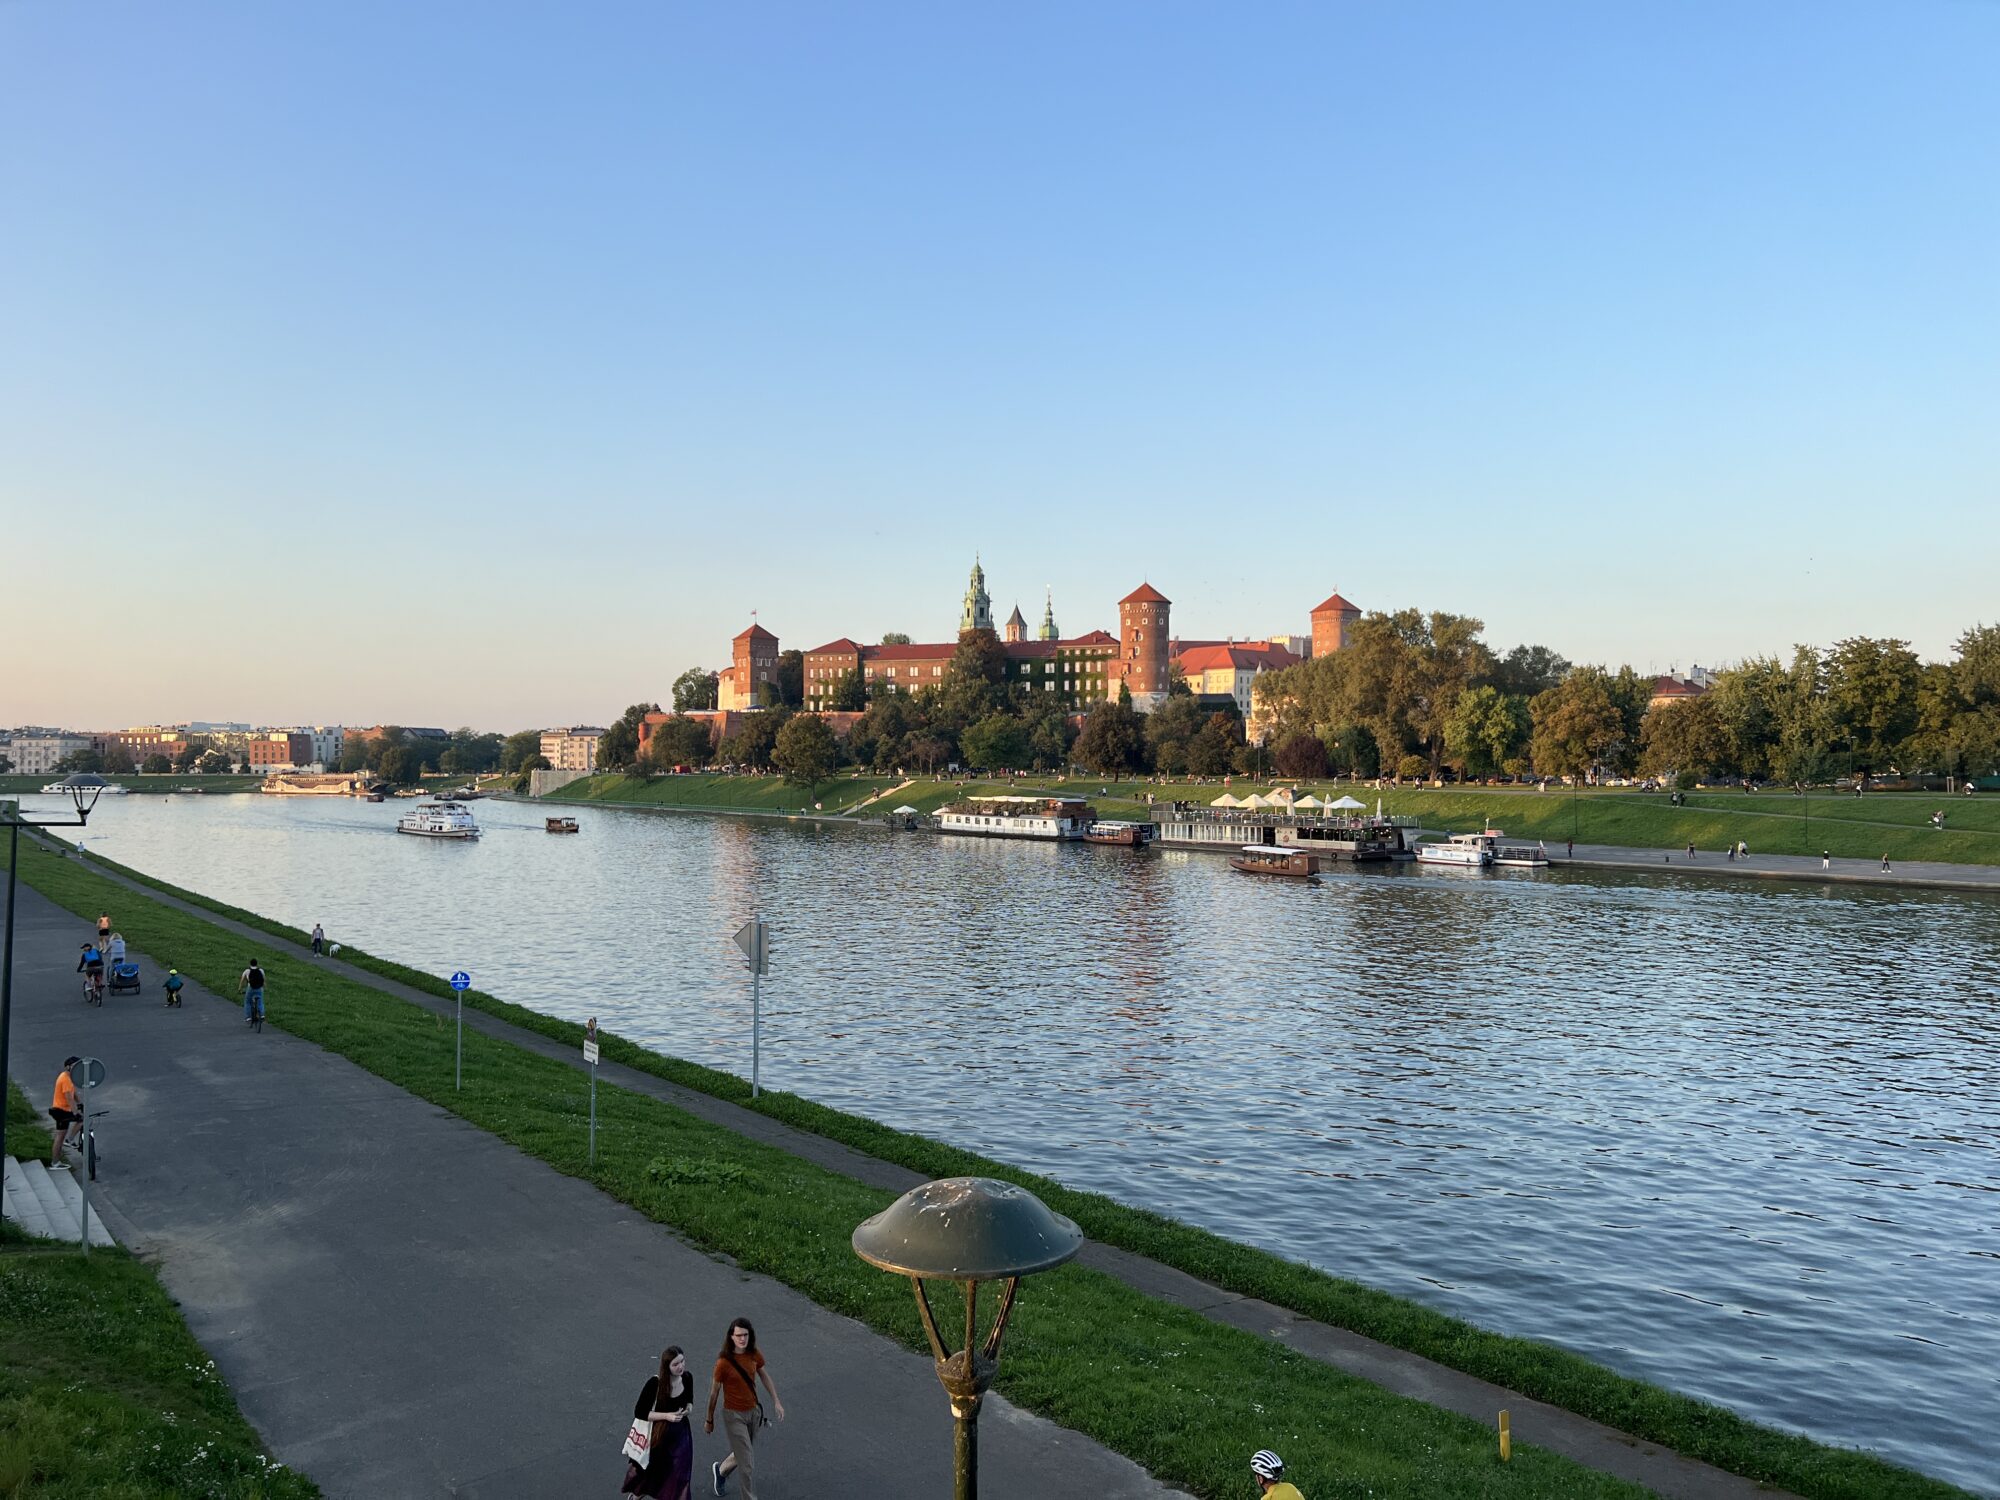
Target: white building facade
[
  {"x": 571, "y": 749},
  {"x": 37, "y": 754}
]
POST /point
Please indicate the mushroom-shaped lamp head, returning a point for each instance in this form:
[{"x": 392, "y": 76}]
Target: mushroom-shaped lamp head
[{"x": 967, "y": 1229}]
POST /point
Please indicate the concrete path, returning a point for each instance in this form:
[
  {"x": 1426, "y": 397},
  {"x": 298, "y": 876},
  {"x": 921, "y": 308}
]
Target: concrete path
[
  {"x": 1592, "y": 1443},
  {"x": 405, "y": 1305},
  {"x": 1927, "y": 873}
]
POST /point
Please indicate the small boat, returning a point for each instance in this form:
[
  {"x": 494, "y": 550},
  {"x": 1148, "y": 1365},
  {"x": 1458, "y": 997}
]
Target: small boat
[
  {"x": 560, "y": 825},
  {"x": 1465, "y": 851},
  {"x": 439, "y": 820},
  {"x": 86, "y": 782},
  {"x": 1267, "y": 859},
  {"x": 1060, "y": 818},
  {"x": 1113, "y": 831},
  {"x": 1517, "y": 855},
  {"x": 374, "y": 797}
]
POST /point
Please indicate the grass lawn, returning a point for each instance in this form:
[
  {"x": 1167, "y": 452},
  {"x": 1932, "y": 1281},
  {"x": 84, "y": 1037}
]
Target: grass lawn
[
  {"x": 30, "y": 1132},
  {"x": 105, "y": 1394},
  {"x": 1183, "y": 1396},
  {"x": 768, "y": 794}
]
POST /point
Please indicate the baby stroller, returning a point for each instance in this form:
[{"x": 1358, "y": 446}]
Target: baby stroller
[{"x": 124, "y": 977}]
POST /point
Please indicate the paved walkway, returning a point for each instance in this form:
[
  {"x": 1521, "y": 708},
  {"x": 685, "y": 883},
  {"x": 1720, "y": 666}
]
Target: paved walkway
[
  {"x": 406, "y": 1305},
  {"x": 1924, "y": 873},
  {"x": 1587, "y": 1442}
]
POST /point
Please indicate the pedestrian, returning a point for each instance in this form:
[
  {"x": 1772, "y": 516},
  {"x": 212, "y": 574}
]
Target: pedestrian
[
  {"x": 664, "y": 1402},
  {"x": 251, "y": 983},
  {"x": 1690, "y": 848},
  {"x": 1885, "y": 862},
  {"x": 104, "y": 929},
  {"x": 116, "y": 953},
  {"x": 737, "y": 1368},
  {"x": 319, "y": 940},
  {"x": 1269, "y": 1471},
  {"x": 63, "y": 1110},
  {"x": 1826, "y": 859},
  {"x": 1742, "y": 848},
  {"x": 1572, "y": 848},
  {"x": 1730, "y": 851},
  {"x": 173, "y": 988}
]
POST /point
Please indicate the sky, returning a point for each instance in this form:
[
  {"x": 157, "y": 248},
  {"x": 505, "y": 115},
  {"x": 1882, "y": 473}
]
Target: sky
[{"x": 491, "y": 363}]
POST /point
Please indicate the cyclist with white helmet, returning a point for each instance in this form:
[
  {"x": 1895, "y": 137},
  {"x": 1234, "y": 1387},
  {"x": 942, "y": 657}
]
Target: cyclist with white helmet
[{"x": 1270, "y": 1472}]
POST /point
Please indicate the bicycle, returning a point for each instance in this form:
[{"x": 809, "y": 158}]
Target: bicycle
[
  {"x": 93, "y": 989},
  {"x": 257, "y": 1010}
]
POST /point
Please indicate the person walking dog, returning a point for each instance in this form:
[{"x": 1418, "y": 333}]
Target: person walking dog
[
  {"x": 737, "y": 1369},
  {"x": 668, "y": 1397}
]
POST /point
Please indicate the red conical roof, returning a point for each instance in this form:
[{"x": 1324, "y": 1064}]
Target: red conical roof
[
  {"x": 1145, "y": 593},
  {"x": 756, "y": 633},
  {"x": 1336, "y": 605}
]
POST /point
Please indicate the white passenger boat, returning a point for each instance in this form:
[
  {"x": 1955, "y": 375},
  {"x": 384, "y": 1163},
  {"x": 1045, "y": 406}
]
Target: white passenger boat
[
  {"x": 1518, "y": 854},
  {"x": 1018, "y": 817},
  {"x": 1467, "y": 851},
  {"x": 85, "y": 783},
  {"x": 439, "y": 820}
]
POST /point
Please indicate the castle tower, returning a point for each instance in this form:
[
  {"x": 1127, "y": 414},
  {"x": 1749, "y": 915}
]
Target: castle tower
[
  {"x": 1016, "y": 628},
  {"x": 1331, "y": 621},
  {"x": 1142, "y": 646},
  {"x": 1048, "y": 631},
  {"x": 753, "y": 662},
  {"x": 978, "y": 611}
]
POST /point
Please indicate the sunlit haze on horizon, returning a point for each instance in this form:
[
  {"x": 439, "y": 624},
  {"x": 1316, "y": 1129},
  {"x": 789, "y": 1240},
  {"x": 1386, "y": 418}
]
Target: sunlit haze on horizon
[{"x": 491, "y": 363}]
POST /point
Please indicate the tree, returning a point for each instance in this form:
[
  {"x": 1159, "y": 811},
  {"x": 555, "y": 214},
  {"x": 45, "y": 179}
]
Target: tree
[
  {"x": 118, "y": 760},
  {"x": 1169, "y": 728},
  {"x": 85, "y": 760},
  {"x": 925, "y": 750},
  {"x": 518, "y": 749},
  {"x": 355, "y": 754},
  {"x": 997, "y": 742},
  {"x": 1301, "y": 755},
  {"x": 1576, "y": 724},
  {"x": 189, "y": 753},
  {"x": 1871, "y": 697},
  {"x": 752, "y": 745},
  {"x": 401, "y": 765},
  {"x": 696, "y": 691},
  {"x": 213, "y": 763},
  {"x": 1528, "y": 670},
  {"x": 535, "y": 762},
  {"x": 680, "y": 741},
  {"x": 157, "y": 764},
  {"x": 1487, "y": 729},
  {"x": 895, "y": 638},
  {"x": 6, "y": 764},
  {"x": 1689, "y": 737},
  {"x": 618, "y": 747},
  {"x": 470, "y": 753},
  {"x": 1110, "y": 742},
  {"x": 791, "y": 678},
  {"x": 1212, "y": 749},
  {"x": 849, "y": 695},
  {"x": 806, "y": 752}
]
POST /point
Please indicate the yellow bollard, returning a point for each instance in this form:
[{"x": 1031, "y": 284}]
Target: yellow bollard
[{"x": 1506, "y": 1436}]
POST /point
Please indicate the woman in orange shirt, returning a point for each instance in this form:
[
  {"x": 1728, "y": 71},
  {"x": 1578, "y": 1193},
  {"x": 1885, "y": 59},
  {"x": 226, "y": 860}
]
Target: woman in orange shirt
[{"x": 737, "y": 1368}]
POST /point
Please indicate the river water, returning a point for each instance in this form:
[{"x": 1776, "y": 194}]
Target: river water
[{"x": 1735, "y": 1137}]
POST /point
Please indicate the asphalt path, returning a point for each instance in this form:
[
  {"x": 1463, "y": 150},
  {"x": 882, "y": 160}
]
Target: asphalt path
[{"x": 404, "y": 1305}]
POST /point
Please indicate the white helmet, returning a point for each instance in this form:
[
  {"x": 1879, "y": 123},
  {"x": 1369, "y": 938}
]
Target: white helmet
[{"x": 1265, "y": 1464}]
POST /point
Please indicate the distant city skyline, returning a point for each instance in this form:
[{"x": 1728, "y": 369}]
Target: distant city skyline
[{"x": 1657, "y": 337}]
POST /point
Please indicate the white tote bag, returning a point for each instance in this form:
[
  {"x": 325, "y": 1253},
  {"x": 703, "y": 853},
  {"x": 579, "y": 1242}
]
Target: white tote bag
[{"x": 639, "y": 1442}]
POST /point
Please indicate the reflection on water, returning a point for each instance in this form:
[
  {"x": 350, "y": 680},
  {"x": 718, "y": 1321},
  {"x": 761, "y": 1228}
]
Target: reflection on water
[{"x": 1737, "y": 1138}]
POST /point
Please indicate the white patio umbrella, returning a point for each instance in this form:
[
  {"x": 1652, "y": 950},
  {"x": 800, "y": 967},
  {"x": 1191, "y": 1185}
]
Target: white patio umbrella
[
  {"x": 1347, "y": 803},
  {"x": 1308, "y": 800},
  {"x": 1225, "y": 800},
  {"x": 1279, "y": 794},
  {"x": 1256, "y": 799},
  {"x": 906, "y": 808}
]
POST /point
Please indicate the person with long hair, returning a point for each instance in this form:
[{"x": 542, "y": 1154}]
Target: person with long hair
[
  {"x": 737, "y": 1369},
  {"x": 665, "y": 1401}
]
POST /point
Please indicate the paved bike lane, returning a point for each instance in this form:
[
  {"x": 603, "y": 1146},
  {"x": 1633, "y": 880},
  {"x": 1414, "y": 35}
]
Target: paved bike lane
[{"x": 405, "y": 1305}]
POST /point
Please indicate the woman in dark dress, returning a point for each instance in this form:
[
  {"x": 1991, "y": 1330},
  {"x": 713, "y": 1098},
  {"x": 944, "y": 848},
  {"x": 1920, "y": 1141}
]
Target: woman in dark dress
[{"x": 665, "y": 1402}]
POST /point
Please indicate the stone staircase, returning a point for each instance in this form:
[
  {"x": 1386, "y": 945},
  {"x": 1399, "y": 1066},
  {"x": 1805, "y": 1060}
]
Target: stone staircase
[{"x": 46, "y": 1203}]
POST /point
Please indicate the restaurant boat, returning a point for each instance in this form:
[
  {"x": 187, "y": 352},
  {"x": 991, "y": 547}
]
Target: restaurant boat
[
  {"x": 560, "y": 825},
  {"x": 1057, "y": 818},
  {"x": 439, "y": 820},
  {"x": 1113, "y": 831},
  {"x": 1518, "y": 855},
  {"x": 1268, "y": 859},
  {"x": 1466, "y": 851}
]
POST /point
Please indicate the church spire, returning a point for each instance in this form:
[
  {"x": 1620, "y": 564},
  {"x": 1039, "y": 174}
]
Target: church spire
[
  {"x": 977, "y": 613},
  {"x": 1048, "y": 630}
]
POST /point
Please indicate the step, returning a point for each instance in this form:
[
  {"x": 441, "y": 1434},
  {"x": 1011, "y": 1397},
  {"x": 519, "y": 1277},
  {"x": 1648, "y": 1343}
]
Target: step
[
  {"x": 19, "y": 1205},
  {"x": 72, "y": 1195},
  {"x": 62, "y": 1221}
]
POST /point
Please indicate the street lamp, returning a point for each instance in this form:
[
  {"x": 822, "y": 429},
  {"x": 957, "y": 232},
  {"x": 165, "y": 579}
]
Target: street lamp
[
  {"x": 968, "y": 1230},
  {"x": 15, "y": 823}
]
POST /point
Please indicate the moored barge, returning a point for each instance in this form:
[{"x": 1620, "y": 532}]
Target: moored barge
[{"x": 1061, "y": 819}]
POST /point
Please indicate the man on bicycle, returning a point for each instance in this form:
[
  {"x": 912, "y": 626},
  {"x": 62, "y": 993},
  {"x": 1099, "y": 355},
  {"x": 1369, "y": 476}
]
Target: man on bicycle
[
  {"x": 91, "y": 967},
  {"x": 251, "y": 983}
]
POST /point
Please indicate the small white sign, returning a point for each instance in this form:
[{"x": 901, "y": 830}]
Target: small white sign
[{"x": 590, "y": 1053}]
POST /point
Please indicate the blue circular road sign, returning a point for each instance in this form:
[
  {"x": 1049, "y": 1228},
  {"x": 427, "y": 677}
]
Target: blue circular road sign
[{"x": 461, "y": 980}]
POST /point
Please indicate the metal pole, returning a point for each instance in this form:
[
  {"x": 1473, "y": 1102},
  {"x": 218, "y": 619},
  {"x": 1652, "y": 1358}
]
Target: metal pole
[
  {"x": 458, "y": 1057},
  {"x": 83, "y": 1178},
  {"x": 7, "y": 965},
  {"x": 965, "y": 1453},
  {"x": 756, "y": 1025},
  {"x": 593, "y": 1114}
]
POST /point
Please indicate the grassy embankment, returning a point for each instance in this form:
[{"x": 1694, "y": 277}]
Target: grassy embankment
[
  {"x": 1897, "y": 823},
  {"x": 1177, "y": 1393},
  {"x": 103, "y": 1392}
]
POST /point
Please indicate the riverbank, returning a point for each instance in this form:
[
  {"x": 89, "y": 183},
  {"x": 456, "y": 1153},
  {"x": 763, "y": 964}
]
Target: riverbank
[
  {"x": 135, "y": 784},
  {"x": 103, "y": 1390},
  {"x": 1242, "y": 1272}
]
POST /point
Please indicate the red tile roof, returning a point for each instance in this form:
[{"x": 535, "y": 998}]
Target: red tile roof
[
  {"x": 844, "y": 646},
  {"x": 1145, "y": 593},
  {"x": 939, "y": 651},
  {"x": 1337, "y": 605},
  {"x": 1674, "y": 687},
  {"x": 1244, "y": 658},
  {"x": 756, "y": 633}
]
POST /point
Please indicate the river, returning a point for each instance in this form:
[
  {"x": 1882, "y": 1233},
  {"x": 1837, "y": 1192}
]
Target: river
[{"x": 1735, "y": 1137}]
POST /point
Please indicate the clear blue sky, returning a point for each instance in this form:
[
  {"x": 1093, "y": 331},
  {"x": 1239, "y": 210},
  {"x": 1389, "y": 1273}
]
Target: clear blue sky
[{"x": 490, "y": 362}]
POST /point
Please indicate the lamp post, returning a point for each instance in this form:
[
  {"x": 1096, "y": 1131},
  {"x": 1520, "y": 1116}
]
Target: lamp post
[
  {"x": 15, "y": 823},
  {"x": 968, "y": 1230}
]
